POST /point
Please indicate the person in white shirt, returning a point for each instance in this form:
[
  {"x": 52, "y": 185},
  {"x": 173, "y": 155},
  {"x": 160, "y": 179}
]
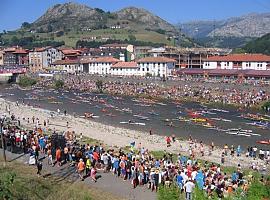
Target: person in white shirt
[{"x": 189, "y": 186}]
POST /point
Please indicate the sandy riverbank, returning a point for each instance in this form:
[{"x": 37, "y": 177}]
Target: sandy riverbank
[{"x": 113, "y": 136}]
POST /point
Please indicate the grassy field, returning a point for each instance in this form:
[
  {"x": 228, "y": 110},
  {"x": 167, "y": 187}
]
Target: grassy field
[
  {"x": 70, "y": 38},
  {"x": 18, "y": 181}
]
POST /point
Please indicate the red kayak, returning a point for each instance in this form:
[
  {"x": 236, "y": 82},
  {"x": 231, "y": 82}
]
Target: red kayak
[{"x": 264, "y": 142}]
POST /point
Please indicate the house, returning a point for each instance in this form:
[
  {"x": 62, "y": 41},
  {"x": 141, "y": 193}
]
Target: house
[
  {"x": 128, "y": 47},
  {"x": 156, "y": 66},
  {"x": 42, "y": 58},
  {"x": 15, "y": 56},
  {"x": 70, "y": 66},
  {"x": 238, "y": 61},
  {"x": 1, "y": 57},
  {"x": 125, "y": 69},
  {"x": 71, "y": 54},
  {"x": 100, "y": 65}
]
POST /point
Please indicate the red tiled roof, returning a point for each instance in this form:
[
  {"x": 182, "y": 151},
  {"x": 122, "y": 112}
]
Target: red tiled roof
[
  {"x": 20, "y": 51},
  {"x": 241, "y": 58},
  {"x": 105, "y": 60},
  {"x": 42, "y": 49},
  {"x": 114, "y": 45},
  {"x": 125, "y": 65},
  {"x": 71, "y": 51},
  {"x": 156, "y": 60},
  {"x": 65, "y": 62}
]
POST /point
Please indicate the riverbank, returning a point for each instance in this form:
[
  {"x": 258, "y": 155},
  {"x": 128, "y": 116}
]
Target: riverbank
[{"x": 115, "y": 136}]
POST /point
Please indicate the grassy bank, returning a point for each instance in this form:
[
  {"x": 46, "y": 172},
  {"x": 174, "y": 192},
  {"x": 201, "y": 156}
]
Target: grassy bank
[{"x": 18, "y": 181}]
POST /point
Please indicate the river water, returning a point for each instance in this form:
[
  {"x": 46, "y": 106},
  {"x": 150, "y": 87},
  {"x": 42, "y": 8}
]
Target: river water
[{"x": 160, "y": 118}]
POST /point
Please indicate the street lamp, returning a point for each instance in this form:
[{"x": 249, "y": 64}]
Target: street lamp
[{"x": 2, "y": 119}]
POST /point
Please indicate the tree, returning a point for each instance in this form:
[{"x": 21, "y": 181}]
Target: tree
[
  {"x": 59, "y": 33},
  {"x": 59, "y": 84},
  {"x": 26, "y": 25},
  {"x": 99, "y": 10},
  {"x": 14, "y": 40},
  {"x": 99, "y": 85},
  {"x": 49, "y": 28},
  {"x": 131, "y": 37}
]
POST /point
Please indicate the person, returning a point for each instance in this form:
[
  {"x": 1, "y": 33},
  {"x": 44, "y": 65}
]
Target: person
[
  {"x": 66, "y": 154},
  {"x": 179, "y": 180},
  {"x": 222, "y": 158},
  {"x": 49, "y": 153},
  {"x": 93, "y": 174},
  {"x": 156, "y": 180},
  {"x": 189, "y": 186},
  {"x": 39, "y": 168},
  {"x": 87, "y": 166},
  {"x": 58, "y": 156},
  {"x": 80, "y": 168},
  {"x": 168, "y": 141}
]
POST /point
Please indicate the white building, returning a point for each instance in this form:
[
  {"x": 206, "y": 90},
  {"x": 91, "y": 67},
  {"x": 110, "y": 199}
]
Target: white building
[
  {"x": 101, "y": 65},
  {"x": 41, "y": 58},
  {"x": 156, "y": 66},
  {"x": 238, "y": 61},
  {"x": 125, "y": 69}
]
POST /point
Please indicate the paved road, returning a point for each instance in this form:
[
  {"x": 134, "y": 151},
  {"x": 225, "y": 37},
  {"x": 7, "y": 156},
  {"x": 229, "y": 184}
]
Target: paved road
[{"x": 108, "y": 182}]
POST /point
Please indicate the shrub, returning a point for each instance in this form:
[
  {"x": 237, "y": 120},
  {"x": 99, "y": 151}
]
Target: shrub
[
  {"x": 59, "y": 84},
  {"x": 26, "y": 81}
]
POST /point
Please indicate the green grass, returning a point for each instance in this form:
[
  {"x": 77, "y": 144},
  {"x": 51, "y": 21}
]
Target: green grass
[
  {"x": 70, "y": 38},
  {"x": 18, "y": 181}
]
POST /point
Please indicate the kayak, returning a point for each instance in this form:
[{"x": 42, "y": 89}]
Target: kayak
[
  {"x": 264, "y": 142},
  {"x": 133, "y": 123}
]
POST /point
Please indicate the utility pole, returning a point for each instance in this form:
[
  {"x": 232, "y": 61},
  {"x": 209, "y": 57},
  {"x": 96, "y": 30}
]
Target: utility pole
[{"x": 2, "y": 140}]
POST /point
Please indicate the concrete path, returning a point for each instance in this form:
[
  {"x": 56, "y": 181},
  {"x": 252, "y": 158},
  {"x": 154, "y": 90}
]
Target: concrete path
[{"x": 108, "y": 182}]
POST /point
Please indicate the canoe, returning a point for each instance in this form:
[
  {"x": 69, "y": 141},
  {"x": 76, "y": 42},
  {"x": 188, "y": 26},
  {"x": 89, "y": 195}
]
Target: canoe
[{"x": 264, "y": 142}]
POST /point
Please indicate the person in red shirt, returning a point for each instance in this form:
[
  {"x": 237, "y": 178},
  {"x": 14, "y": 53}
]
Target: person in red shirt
[
  {"x": 168, "y": 140},
  {"x": 58, "y": 156}
]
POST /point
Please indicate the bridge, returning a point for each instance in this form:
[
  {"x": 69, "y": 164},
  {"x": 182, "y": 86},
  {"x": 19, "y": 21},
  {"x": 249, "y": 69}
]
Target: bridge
[{"x": 10, "y": 74}]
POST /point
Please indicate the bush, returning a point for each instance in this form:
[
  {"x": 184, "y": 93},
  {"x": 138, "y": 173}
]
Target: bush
[
  {"x": 99, "y": 85},
  {"x": 59, "y": 84},
  {"x": 26, "y": 81}
]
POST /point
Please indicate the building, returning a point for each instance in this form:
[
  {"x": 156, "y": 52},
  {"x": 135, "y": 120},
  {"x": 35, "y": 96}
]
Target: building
[
  {"x": 128, "y": 47},
  {"x": 156, "y": 66},
  {"x": 15, "y": 56},
  {"x": 71, "y": 54},
  {"x": 1, "y": 57},
  {"x": 238, "y": 62},
  {"x": 42, "y": 58},
  {"x": 69, "y": 66},
  {"x": 100, "y": 65},
  {"x": 192, "y": 57},
  {"x": 125, "y": 69}
]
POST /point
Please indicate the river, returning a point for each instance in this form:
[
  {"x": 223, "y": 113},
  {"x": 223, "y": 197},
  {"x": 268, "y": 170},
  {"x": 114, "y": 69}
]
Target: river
[{"x": 160, "y": 117}]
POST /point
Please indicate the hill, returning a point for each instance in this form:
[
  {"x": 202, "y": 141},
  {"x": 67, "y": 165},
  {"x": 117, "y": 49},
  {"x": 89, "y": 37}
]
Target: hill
[
  {"x": 260, "y": 45},
  {"x": 70, "y": 22}
]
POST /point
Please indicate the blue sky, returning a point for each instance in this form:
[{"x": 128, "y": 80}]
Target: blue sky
[{"x": 14, "y": 12}]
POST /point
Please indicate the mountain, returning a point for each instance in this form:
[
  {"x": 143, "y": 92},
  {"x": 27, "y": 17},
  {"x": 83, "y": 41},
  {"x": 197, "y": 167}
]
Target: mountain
[
  {"x": 76, "y": 16},
  {"x": 145, "y": 19},
  {"x": 251, "y": 25},
  {"x": 69, "y": 16}
]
